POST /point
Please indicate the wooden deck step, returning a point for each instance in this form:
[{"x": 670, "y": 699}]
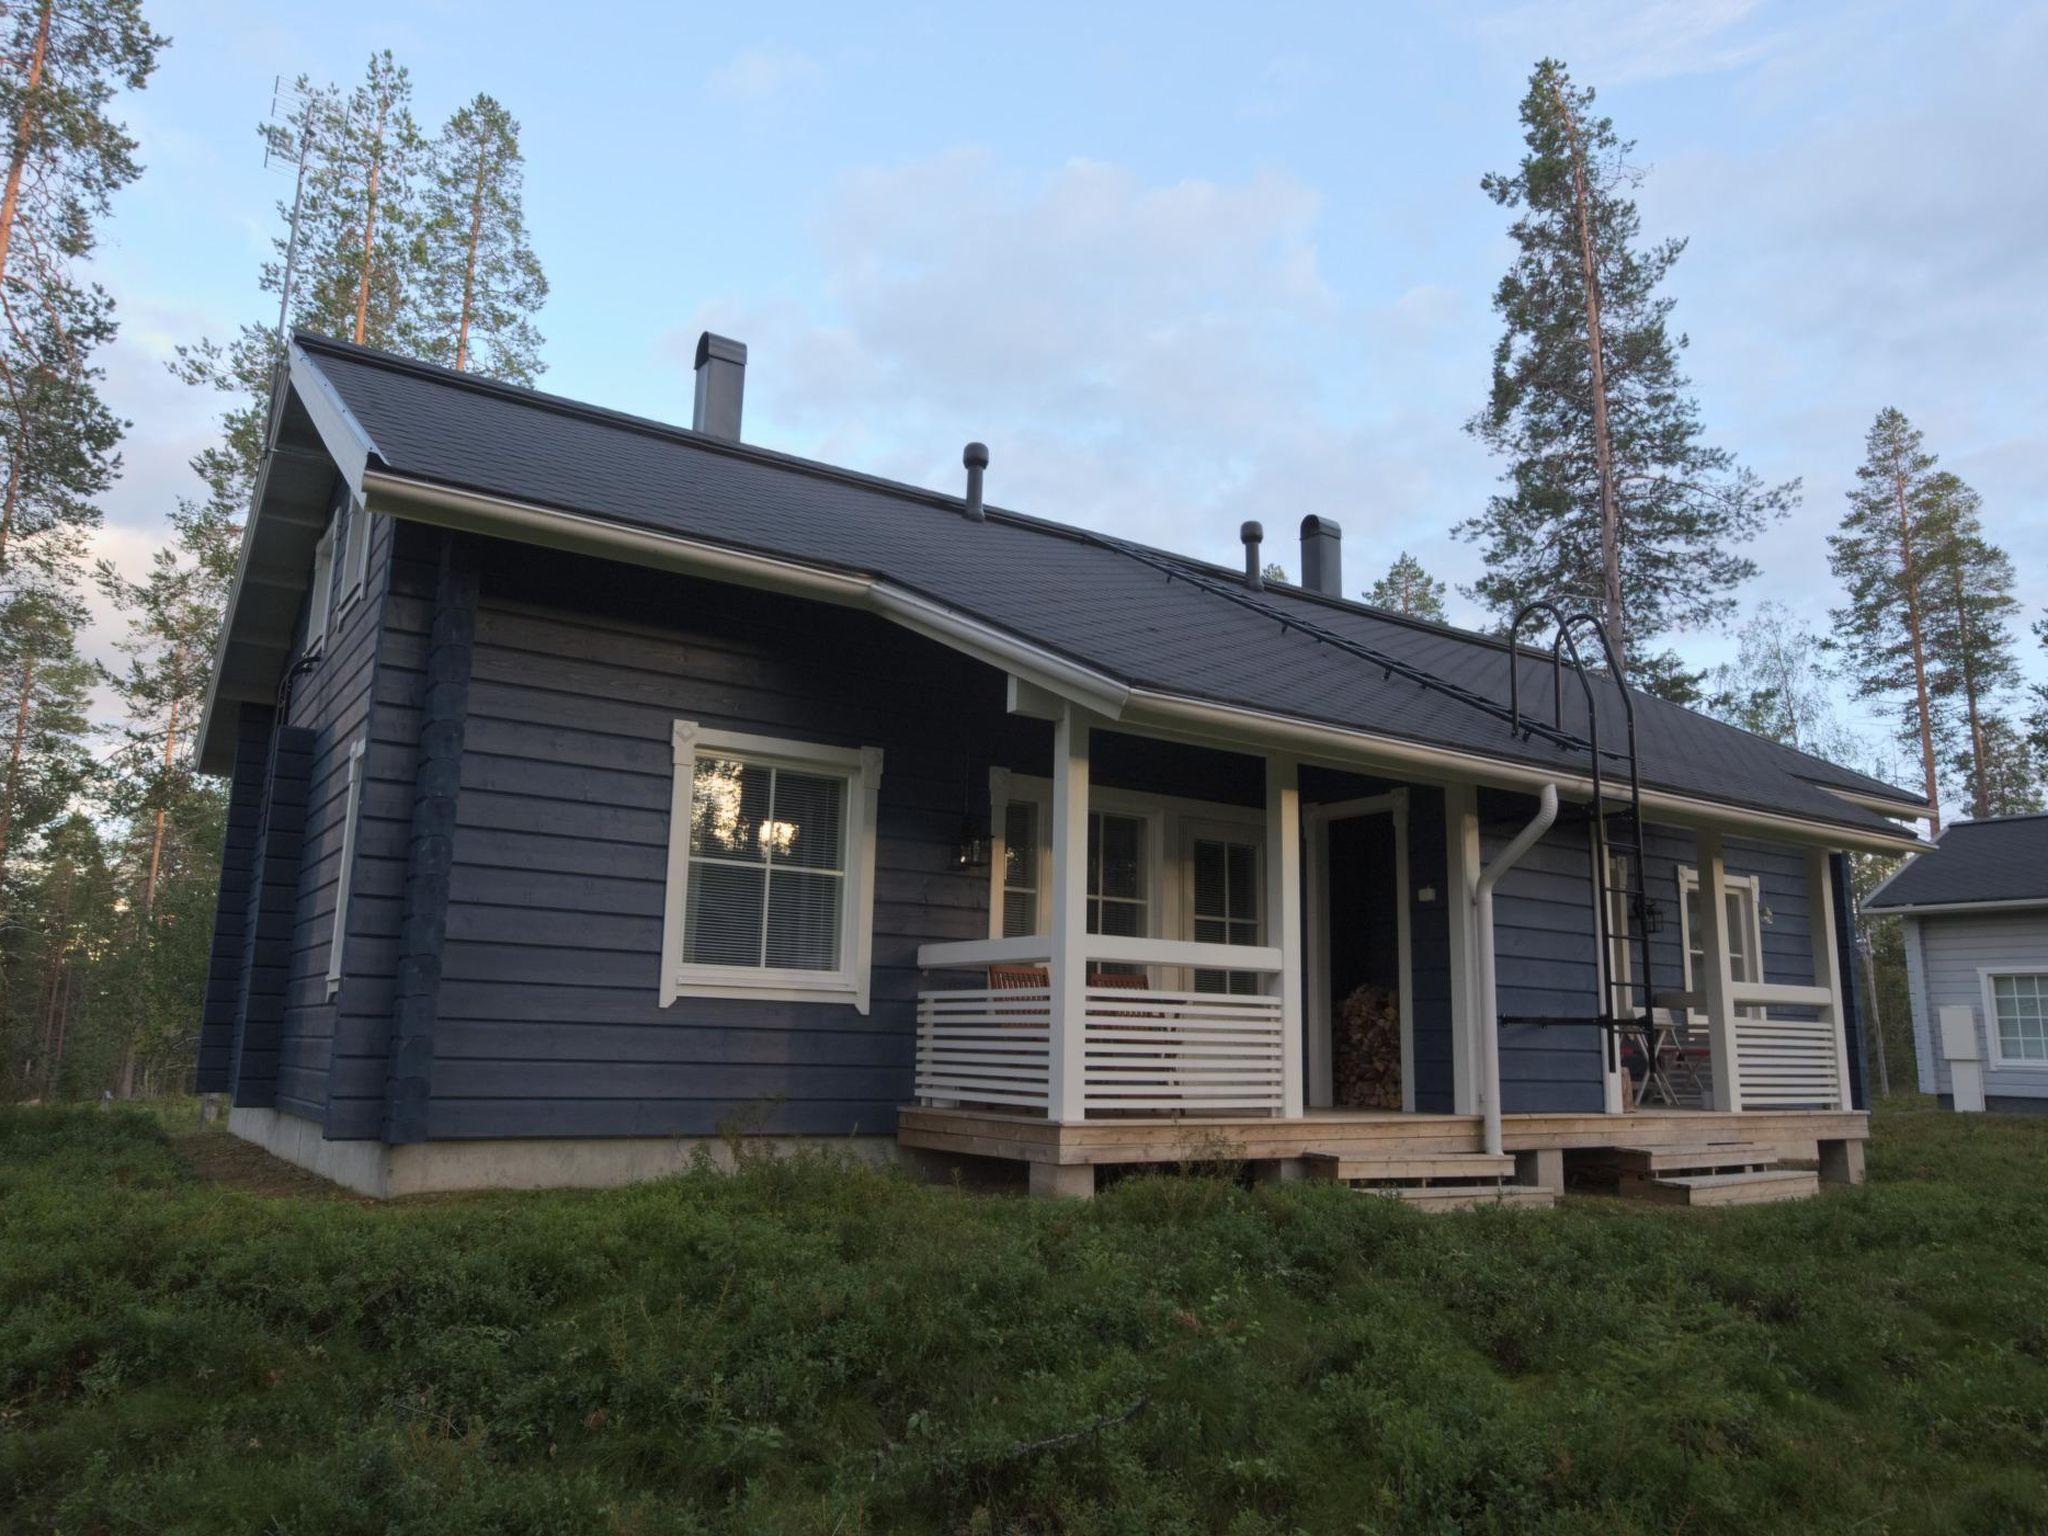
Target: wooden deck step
[
  {"x": 1467, "y": 1197},
  {"x": 1696, "y": 1157},
  {"x": 1411, "y": 1167},
  {"x": 1757, "y": 1186}
]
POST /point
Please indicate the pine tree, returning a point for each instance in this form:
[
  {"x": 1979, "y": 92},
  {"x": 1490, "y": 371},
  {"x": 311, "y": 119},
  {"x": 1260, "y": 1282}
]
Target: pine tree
[
  {"x": 2001, "y": 772},
  {"x": 1887, "y": 556},
  {"x": 1970, "y": 643},
  {"x": 45, "y": 691},
  {"x": 1408, "y": 588},
  {"x": 483, "y": 281},
  {"x": 358, "y": 269},
  {"x": 1613, "y": 502},
  {"x": 65, "y": 158}
]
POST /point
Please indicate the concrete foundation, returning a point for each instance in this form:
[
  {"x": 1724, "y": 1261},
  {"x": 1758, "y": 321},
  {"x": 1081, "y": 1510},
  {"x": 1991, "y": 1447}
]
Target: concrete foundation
[
  {"x": 1541, "y": 1169},
  {"x": 1841, "y": 1162},
  {"x": 1063, "y": 1181},
  {"x": 437, "y": 1167}
]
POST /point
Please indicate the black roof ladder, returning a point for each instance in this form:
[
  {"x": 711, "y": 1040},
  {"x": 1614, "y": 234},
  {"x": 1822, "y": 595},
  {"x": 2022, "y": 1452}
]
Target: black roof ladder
[{"x": 1622, "y": 913}]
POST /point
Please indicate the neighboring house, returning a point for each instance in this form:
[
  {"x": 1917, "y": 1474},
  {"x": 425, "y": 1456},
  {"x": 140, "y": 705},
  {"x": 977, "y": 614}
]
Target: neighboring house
[
  {"x": 599, "y": 786},
  {"x": 1975, "y": 911}
]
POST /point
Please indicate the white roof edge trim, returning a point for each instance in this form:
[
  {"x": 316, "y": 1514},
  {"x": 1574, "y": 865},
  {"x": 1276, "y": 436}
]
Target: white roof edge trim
[
  {"x": 344, "y": 437},
  {"x": 2010, "y": 904},
  {"x": 479, "y": 512},
  {"x": 1344, "y": 747},
  {"x": 1883, "y": 805}
]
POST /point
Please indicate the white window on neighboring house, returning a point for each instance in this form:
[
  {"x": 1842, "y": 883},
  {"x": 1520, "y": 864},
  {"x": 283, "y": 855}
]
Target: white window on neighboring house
[
  {"x": 351, "y": 813},
  {"x": 323, "y": 592},
  {"x": 2016, "y": 1017},
  {"x": 1742, "y": 925},
  {"x": 771, "y": 868}
]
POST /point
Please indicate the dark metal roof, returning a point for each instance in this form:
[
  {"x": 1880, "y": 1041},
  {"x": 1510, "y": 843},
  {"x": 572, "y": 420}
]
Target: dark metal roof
[
  {"x": 2004, "y": 859},
  {"x": 1053, "y": 586}
]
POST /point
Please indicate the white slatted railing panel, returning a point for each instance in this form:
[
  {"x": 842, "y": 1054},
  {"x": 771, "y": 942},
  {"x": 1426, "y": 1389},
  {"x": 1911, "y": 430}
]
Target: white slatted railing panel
[
  {"x": 987, "y": 1047},
  {"x": 1185, "y": 1052},
  {"x": 1787, "y": 1063}
]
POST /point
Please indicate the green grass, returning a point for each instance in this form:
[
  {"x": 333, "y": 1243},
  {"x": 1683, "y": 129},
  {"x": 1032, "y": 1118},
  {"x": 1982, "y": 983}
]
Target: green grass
[{"x": 807, "y": 1347}]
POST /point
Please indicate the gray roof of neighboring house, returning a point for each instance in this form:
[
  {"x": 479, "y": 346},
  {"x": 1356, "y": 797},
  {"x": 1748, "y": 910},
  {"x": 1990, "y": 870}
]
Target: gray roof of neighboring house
[
  {"x": 1056, "y": 587},
  {"x": 1973, "y": 862}
]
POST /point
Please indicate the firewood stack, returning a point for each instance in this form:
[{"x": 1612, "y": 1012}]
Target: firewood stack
[{"x": 1365, "y": 1054}]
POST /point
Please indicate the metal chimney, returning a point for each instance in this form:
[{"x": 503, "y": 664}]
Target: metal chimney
[
  {"x": 1322, "y": 556},
  {"x": 721, "y": 382},
  {"x": 975, "y": 457},
  {"x": 1254, "y": 573}
]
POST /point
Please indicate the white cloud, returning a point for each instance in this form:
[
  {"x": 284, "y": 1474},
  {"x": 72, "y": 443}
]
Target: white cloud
[
  {"x": 759, "y": 74},
  {"x": 1162, "y": 360},
  {"x": 1620, "y": 42}
]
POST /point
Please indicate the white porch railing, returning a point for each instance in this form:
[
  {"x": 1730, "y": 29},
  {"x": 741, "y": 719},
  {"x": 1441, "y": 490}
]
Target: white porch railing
[
  {"x": 1780, "y": 1063},
  {"x": 1158, "y": 1048}
]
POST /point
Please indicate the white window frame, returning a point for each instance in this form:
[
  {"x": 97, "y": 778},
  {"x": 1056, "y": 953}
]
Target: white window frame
[
  {"x": 861, "y": 768},
  {"x": 344, "y": 880},
  {"x": 1753, "y": 885},
  {"x": 355, "y": 553},
  {"x": 1165, "y": 816},
  {"x": 1993, "y": 1048},
  {"x": 322, "y": 597}
]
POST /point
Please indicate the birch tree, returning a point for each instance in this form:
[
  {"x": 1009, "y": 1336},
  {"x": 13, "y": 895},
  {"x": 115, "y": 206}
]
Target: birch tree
[
  {"x": 1887, "y": 556},
  {"x": 484, "y": 282},
  {"x": 1612, "y": 500},
  {"x": 1408, "y": 588}
]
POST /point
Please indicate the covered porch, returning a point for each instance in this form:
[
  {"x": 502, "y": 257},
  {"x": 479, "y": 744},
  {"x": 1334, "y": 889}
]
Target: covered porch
[{"x": 1086, "y": 1030}]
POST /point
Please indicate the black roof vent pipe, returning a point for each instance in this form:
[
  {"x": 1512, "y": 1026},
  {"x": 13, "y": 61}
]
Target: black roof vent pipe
[
  {"x": 1322, "y": 556},
  {"x": 1254, "y": 573},
  {"x": 975, "y": 457},
  {"x": 721, "y": 384}
]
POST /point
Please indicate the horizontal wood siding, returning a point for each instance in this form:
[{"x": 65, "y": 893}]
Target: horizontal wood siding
[
  {"x": 549, "y": 1021},
  {"x": 361, "y": 1015},
  {"x": 1545, "y": 960},
  {"x": 1953, "y": 948},
  {"x": 333, "y": 701},
  {"x": 223, "y": 995},
  {"x": 267, "y": 922}
]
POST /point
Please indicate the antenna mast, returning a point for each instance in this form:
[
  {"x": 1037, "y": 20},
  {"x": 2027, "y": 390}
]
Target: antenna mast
[{"x": 285, "y": 103}]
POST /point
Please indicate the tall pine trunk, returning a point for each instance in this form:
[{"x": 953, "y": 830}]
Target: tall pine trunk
[
  {"x": 1603, "y": 455},
  {"x": 369, "y": 228},
  {"x": 7, "y": 505},
  {"x": 1909, "y": 575},
  {"x": 476, "y": 227},
  {"x": 1981, "y": 799},
  {"x": 156, "y": 839},
  {"x": 17, "y": 161},
  {"x": 14, "y": 756}
]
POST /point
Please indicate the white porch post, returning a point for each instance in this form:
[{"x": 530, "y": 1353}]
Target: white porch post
[
  {"x": 1461, "y": 838},
  {"x": 1717, "y": 986},
  {"x": 1283, "y": 900},
  {"x": 1827, "y": 964},
  {"x": 1068, "y": 973}
]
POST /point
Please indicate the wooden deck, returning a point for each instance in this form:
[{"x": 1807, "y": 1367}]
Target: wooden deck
[{"x": 1794, "y": 1135}]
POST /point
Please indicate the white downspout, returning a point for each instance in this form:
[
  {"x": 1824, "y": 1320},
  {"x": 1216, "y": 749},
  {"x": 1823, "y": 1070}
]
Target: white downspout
[{"x": 1489, "y": 1003}]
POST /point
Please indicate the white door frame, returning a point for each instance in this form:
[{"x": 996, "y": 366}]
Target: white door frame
[{"x": 1316, "y": 821}]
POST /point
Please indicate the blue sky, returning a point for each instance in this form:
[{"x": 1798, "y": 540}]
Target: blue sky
[{"x": 1177, "y": 266}]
